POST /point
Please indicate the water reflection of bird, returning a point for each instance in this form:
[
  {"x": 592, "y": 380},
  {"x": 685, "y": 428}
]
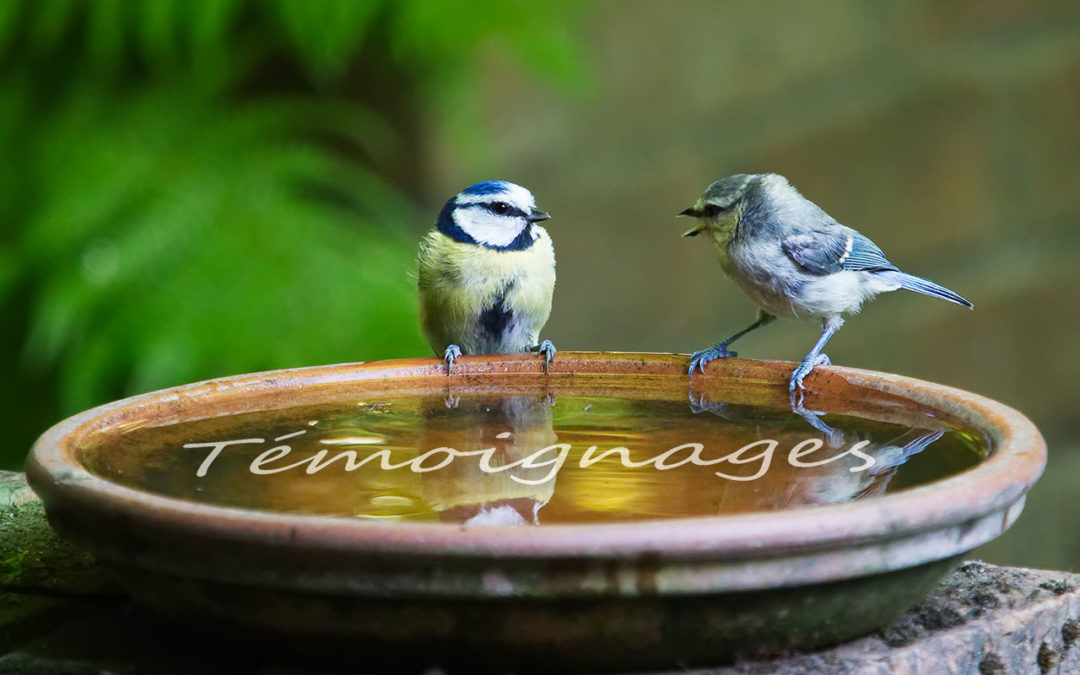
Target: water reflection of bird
[
  {"x": 701, "y": 404},
  {"x": 837, "y": 484},
  {"x": 889, "y": 458},
  {"x": 793, "y": 260},
  {"x": 487, "y": 274},
  {"x": 515, "y": 427}
]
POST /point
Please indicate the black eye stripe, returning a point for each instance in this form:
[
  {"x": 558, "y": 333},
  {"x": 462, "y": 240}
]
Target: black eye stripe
[
  {"x": 712, "y": 210},
  {"x": 503, "y": 209}
]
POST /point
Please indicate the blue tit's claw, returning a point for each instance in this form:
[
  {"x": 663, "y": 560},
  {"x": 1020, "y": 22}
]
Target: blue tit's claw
[
  {"x": 451, "y": 400},
  {"x": 450, "y": 356},
  {"x": 797, "y": 397},
  {"x": 700, "y": 359},
  {"x": 805, "y": 368},
  {"x": 796, "y": 381},
  {"x": 547, "y": 350},
  {"x": 797, "y": 376}
]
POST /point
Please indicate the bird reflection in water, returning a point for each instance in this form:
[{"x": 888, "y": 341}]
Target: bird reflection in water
[
  {"x": 516, "y": 427},
  {"x": 839, "y": 486}
]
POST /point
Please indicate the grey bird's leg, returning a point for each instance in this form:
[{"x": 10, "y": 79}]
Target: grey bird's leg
[
  {"x": 547, "y": 350},
  {"x": 720, "y": 349},
  {"x": 815, "y": 358},
  {"x": 449, "y": 356}
]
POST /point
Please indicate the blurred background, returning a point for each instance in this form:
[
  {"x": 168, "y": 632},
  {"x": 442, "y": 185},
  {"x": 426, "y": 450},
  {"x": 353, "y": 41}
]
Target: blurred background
[{"x": 198, "y": 189}]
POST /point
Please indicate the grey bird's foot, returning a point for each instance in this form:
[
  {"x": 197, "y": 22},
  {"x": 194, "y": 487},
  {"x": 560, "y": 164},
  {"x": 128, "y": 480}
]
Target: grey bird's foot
[
  {"x": 805, "y": 368},
  {"x": 699, "y": 359},
  {"x": 547, "y": 350},
  {"x": 450, "y": 356}
]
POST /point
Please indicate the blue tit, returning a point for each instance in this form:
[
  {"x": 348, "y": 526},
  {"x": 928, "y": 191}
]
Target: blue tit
[
  {"x": 793, "y": 260},
  {"x": 487, "y": 274}
]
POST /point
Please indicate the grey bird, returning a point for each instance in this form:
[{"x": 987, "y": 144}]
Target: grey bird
[{"x": 793, "y": 260}]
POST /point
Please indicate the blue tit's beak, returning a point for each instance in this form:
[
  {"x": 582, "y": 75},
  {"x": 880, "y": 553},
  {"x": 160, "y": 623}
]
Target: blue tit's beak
[
  {"x": 536, "y": 216},
  {"x": 694, "y": 213}
]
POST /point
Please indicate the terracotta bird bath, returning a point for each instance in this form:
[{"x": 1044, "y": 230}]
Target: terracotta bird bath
[{"x": 232, "y": 503}]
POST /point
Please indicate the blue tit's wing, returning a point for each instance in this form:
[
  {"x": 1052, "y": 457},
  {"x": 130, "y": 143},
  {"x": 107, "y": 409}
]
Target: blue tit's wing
[
  {"x": 865, "y": 256},
  {"x": 829, "y": 249},
  {"x": 818, "y": 251}
]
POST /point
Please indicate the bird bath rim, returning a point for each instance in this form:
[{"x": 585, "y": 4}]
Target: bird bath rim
[{"x": 702, "y": 554}]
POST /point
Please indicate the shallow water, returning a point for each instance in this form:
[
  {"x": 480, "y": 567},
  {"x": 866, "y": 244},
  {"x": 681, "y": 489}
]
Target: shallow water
[{"x": 571, "y": 460}]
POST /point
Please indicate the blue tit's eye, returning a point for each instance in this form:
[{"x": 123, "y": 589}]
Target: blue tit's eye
[
  {"x": 713, "y": 210},
  {"x": 501, "y": 208}
]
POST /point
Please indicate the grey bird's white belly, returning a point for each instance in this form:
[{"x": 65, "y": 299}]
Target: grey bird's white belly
[{"x": 765, "y": 273}]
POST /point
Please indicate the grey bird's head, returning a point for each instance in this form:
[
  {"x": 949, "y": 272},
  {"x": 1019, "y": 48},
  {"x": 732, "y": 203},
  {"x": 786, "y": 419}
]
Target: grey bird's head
[{"x": 721, "y": 207}]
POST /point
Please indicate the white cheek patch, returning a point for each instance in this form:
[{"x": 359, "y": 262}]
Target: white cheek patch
[{"x": 488, "y": 228}]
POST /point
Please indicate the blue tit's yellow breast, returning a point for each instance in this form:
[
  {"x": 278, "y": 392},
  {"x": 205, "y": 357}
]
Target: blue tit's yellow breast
[{"x": 459, "y": 282}]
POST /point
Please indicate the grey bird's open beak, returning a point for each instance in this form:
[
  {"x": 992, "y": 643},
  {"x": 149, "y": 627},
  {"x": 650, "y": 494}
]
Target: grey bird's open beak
[
  {"x": 696, "y": 229},
  {"x": 536, "y": 216}
]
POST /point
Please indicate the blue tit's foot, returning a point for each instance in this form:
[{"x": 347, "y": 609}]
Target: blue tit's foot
[
  {"x": 547, "y": 350},
  {"x": 451, "y": 400},
  {"x": 450, "y": 356},
  {"x": 805, "y": 368},
  {"x": 717, "y": 351}
]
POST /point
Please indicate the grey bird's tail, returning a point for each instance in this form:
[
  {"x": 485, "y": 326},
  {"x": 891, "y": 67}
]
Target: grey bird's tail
[{"x": 920, "y": 285}]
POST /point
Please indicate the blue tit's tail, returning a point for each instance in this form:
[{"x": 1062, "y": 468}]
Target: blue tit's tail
[{"x": 920, "y": 285}]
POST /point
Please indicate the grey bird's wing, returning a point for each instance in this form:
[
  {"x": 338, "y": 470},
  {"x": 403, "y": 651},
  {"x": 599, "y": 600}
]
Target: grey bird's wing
[{"x": 831, "y": 248}]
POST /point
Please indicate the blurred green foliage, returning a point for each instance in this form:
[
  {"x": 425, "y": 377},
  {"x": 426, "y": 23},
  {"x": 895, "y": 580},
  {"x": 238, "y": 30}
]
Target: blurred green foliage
[{"x": 194, "y": 189}]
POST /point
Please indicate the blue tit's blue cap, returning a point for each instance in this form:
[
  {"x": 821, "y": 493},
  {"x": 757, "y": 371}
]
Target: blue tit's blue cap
[{"x": 487, "y": 187}]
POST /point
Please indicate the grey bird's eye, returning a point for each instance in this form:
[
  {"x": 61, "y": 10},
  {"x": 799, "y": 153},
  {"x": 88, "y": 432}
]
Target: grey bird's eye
[{"x": 501, "y": 208}]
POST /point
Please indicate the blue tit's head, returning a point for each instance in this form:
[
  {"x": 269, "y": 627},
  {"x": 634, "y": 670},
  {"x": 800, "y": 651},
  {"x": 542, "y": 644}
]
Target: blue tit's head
[
  {"x": 723, "y": 203},
  {"x": 495, "y": 214}
]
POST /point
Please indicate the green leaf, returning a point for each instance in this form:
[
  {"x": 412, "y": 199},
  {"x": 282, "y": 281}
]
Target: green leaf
[
  {"x": 106, "y": 33},
  {"x": 182, "y": 246},
  {"x": 326, "y": 33},
  {"x": 51, "y": 19},
  {"x": 206, "y": 23},
  {"x": 157, "y": 31},
  {"x": 9, "y": 20},
  {"x": 9, "y": 271}
]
